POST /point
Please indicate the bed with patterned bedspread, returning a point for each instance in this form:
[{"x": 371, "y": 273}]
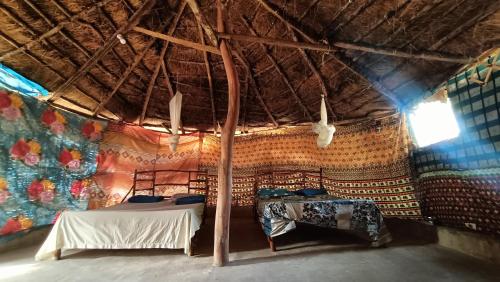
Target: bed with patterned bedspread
[{"x": 279, "y": 215}]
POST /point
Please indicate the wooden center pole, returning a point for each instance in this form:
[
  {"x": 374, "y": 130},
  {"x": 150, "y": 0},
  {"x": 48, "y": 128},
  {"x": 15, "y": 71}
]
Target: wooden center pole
[{"x": 225, "y": 172}]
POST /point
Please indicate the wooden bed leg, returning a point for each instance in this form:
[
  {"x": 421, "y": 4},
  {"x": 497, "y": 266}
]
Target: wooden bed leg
[
  {"x": 191, "y": 248},
  {"x": 271, "y": 244},
  {"x": 57, "y": 254}
]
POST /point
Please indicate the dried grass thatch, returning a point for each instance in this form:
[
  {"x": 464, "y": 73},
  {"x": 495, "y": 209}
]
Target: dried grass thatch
[{"x": 287, "y": 92}]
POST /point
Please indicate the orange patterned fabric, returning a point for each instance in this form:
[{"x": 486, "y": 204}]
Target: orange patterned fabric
[{"x": 127, "y": 148}]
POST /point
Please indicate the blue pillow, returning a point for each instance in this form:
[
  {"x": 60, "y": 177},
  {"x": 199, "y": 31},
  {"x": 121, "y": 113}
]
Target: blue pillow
[
  {"x": 190, "y": 200},
  {"x": 311, "y": 192},
  {"x": 267, "y": 192},
  {"x": 145, "y": 199}
]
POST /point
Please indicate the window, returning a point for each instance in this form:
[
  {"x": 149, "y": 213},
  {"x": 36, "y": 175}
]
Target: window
[
  {"x": 433, "y": 122},
  {"x": 15, "y": 82}
]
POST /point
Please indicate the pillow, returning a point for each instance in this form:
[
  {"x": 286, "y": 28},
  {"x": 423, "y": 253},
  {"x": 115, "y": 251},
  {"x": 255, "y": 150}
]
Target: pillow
[
  {"x": 267, "y": 192},
  {"x": 311, "y": 192},
  {"x": 145, "y": 199},
  {"x": 181, "y": 195},
  {"x": 187, "y": 200}
]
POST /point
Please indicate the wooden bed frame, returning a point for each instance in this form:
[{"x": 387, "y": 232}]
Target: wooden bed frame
[
  {"x": 153, "y": 181},
  {"x": 283, "y": 183}
]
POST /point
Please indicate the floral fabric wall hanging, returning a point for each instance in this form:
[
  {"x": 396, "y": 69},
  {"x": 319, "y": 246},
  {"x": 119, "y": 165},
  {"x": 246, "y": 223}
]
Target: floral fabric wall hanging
[{"x": 46, "y": 159}]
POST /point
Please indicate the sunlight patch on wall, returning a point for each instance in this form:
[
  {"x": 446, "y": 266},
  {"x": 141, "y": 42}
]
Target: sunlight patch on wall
[{"x": 433, "y": 122}]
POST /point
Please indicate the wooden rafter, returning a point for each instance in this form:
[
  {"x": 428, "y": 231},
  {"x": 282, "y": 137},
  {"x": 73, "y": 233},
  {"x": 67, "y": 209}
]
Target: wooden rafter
[
  {"x": 308, "y": 9},
  {"x": 270, "y": 66},
  {"x": 151, "y": 84},
  {"x": 253, "y": 83},
  {"x": 73, "y": 42},
  {"x": 176, "y": 40},
  {"x": 110, "y": 22},
  {"x": 137, "y": 59},
  {"x": 314, "y": 69},
  {"x": 167, "y": 79},
  {"x": 354, "y": 15},
  {"x": 244, "y": 104},
  {"x": 390, "y": 14},
  {"x": 161, "y": 60},
  {"x": 193, "y": 4},
  {"x": 54, "y": 29},
  {"x": 51, "y": 46},
  {"x": 491, "y": 9},
  {"x": 209, "y": 77},
  {"x": 92, "y": 27},
  {"x": 335, "y": 17},
  {"x": 424, "y": 55},
  {"x": 348, "y": 65},
  {"x": 42, "y": 63},
  {"x": 280, "y": 71},
  {"x": 104, "y": 49},
  {"x": 438, "y": 43},
  {"x": 353, "y": 96}
]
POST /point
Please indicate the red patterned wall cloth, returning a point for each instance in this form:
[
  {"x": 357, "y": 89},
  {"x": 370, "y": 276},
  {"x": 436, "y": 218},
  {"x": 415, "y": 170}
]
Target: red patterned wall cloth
[
  {"x": 364, "y": 161},
  {"x": 469, "y": 198},
  {"x": 127, "y": 148}
]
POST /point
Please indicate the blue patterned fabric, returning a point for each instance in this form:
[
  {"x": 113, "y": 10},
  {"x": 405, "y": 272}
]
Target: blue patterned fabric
[
  {"x": 477, "y": 109},
  {"x": 35, "y": 187},
  {"x": 278, "y": 216}
]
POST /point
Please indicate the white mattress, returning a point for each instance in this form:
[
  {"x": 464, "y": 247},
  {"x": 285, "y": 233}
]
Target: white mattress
[{"x": 125, "y": 226}]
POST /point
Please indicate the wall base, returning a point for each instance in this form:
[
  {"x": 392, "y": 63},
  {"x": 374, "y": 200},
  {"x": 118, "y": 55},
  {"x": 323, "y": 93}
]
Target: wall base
[
  {"x": 33, "y": 237},
  {"x": 486, "y": 247}
]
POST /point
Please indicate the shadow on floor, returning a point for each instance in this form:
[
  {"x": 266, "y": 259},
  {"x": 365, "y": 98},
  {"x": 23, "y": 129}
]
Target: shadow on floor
[{"x": 247, "y": 235}]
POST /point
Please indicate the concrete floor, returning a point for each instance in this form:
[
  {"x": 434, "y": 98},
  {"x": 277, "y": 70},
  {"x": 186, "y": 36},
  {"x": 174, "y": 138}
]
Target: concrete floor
[{"x": 307, "y": 254}]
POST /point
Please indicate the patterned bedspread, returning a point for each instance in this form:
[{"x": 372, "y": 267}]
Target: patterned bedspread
[{"x": 278, "y": 216}]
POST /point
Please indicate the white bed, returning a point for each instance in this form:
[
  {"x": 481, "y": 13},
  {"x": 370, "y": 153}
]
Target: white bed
[{"x": 125, "y": 226}]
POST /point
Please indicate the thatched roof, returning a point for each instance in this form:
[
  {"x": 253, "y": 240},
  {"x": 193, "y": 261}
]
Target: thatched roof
[{"x": 280, "y": 85}]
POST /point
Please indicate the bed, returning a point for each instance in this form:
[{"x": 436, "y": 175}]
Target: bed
[
  {"x": 132, "y": 225},
  {"x": 279, "y": 215}
]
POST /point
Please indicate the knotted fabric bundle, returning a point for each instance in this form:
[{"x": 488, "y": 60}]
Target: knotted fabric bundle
[
  {"x": 175, "y": 106},
  {"x": 324, "y": 131}
]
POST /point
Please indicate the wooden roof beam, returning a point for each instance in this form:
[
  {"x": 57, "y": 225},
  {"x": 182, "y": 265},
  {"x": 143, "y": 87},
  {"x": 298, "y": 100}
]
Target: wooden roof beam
[
  {"x": 335, "y": 17},
  {"x": 209, "y": 77},
  {"x": 67, "y": 13},
  {"x": 390, "y": 14},
  {"x": 73, "y": 42},
  {"x": 359, "y": 10},
  {"x": 55, "y": 29},
  {"x": 110, "y": 22},
  {"x": 175, "y": 40},
  {"x": 244, "y": 106},
  {"x": 253, "y": 83},
  {"x": 134, "y": 20},
  {"x": 490, "y": 10},
  {"x": 193, "y": 4},
  {"x": 42, "y": 63},
  {"x": 280, "y": 72},
  {"x": 424, "y": 55},
  {"x": 51, "y": 46},
  {"x": 152, "y": 82},
  {"x": 316, "y": 73},
  {"x": 137, "y": 59},
  {"x": 348, "y": 65}
]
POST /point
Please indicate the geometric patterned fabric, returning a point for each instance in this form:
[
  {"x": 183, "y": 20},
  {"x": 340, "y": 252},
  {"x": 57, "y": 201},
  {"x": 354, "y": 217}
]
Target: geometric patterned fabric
[
  {"x": 364, "y": 161},
  {"x": 458, "y": 180}
]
